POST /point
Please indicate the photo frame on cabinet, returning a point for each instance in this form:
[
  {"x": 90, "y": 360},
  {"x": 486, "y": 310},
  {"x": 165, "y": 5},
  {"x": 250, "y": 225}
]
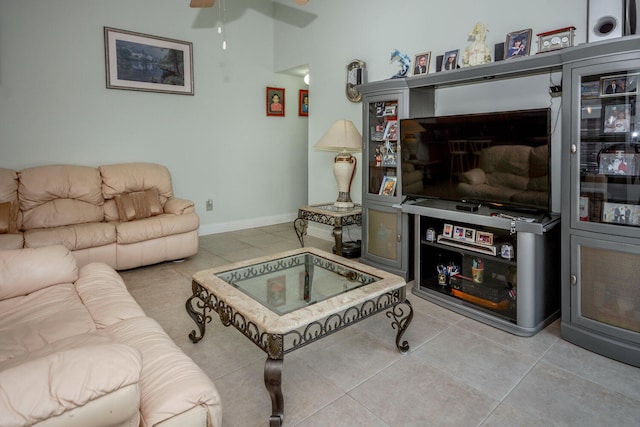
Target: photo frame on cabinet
[
  {"x": 616, "y": 118},
  {"x": 624, "y": 84},
  {"x": 517, "y": 44},
  {"x": 450, "y": 60},
  {"x": 447, "y": 230},
  {"x": 136, "y": 61},
  {"x": 621, "y": 213},
  {"x": 421, "y": 63},
  {"x": 303, "y": 103},
  {"x": 275, "y": 101},
  {"x": 388, "y": 186}
]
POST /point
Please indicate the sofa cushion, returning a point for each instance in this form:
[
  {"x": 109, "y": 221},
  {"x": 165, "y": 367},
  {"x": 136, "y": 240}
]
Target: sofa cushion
[
  {"x": 23, "y": 271},
  {"x": 74, "y": 237},
  {"x": 138, "y": 205},
  {"x": 507, "y": 180},
  {"x": 11, "y": 241},
  {"x": 130, "y": 177},
  {"x": 155, "y": 227},
  {"x": 56, "y": 195},
  {"x": 33, "y": 321},
  {"x": 170, "y": 383},
  {"x": 506, "y": 158},
  {"x": 539, "y": 161}
]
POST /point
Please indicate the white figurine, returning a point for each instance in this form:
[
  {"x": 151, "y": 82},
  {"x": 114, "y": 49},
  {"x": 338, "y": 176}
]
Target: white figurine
[{"x": 477, "y": 52}]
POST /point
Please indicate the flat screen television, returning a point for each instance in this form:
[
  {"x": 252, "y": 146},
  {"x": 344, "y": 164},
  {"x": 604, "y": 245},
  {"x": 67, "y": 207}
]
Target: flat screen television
[{"x": 497, "y": 158}]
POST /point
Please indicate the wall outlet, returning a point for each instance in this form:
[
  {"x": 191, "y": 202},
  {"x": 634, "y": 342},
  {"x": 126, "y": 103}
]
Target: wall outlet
[{"x": 209, "y": 205}]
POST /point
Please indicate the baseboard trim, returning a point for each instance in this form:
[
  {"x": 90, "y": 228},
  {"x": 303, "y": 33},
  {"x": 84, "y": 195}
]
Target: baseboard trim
[{"x": 222, "y": 227}]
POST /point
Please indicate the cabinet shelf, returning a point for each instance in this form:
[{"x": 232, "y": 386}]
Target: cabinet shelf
[{"x": 470, "y": 246}]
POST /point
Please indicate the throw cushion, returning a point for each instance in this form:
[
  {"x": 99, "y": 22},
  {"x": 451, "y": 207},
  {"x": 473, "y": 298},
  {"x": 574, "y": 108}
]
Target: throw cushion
[
  {"x": 138, "y": 205},
  {"x": 8, "y": 217}
]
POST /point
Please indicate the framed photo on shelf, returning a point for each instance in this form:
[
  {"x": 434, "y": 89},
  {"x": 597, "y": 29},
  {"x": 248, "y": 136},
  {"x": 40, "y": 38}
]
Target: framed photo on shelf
[
  {"x": 275, "y": 101},
  {"x": 469, "y": 235},
  {"x": 447, "y": 230},
  {"x": 624, "y": 84},
  {"x": 388, "y": 186},
  {"x": 458, "y": 232},
  {"x": 590, "y": 89},
  {"x": 134, "y": 61},
  {"x": 389, "y": 159},
  {"x": 303, "y": 102},
  {"x": 277, "y": 291},
  {"x": 449, "y": 60},
  {"x": 391, "y": 130},
  {"x": 484, "y": 238},
  {"x": 421, "y": 61},
  {"x": 617, "y": 118},
  {"x": 621, "y": 213},
  {"x": 617, "y": 164},
  {"x": 517, "y": 44}
]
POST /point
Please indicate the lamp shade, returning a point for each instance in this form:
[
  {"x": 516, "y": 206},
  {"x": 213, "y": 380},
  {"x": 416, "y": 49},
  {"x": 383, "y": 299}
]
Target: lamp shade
[{"x": 341, "y": 136}]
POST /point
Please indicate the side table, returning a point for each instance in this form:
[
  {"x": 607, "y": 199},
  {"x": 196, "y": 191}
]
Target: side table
[{"x": 328, "y": 214}]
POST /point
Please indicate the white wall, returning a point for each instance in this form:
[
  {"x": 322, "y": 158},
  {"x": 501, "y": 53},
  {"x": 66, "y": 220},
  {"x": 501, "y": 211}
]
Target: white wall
[
  {"x": 219, "y": 144},
  {"x": 370, "y": 30}
]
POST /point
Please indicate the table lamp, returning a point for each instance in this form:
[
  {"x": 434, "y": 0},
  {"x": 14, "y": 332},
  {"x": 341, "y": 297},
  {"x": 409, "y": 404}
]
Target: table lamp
[
  {"x": 343, "y": 137},
  {"x": 409, "y": 129}
]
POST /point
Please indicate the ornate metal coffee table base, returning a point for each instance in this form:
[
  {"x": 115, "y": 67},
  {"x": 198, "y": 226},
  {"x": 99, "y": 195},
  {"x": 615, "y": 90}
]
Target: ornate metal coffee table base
[{"x": 202, "y": 302}]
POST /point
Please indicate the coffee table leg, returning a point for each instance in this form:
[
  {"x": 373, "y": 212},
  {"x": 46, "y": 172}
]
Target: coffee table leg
[
  {"x": 199, "y": 317},
  {"x": 273, "y": 382},
  {"x": 402, "y": 317}
]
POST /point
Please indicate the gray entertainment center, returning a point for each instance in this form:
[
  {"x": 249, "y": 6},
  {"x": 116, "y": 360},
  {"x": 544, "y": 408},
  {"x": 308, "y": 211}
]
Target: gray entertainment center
[{"x": 533, "y": 261}]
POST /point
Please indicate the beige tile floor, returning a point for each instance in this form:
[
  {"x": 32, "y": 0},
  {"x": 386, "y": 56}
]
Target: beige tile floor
[{"x": 458, "y": 372}]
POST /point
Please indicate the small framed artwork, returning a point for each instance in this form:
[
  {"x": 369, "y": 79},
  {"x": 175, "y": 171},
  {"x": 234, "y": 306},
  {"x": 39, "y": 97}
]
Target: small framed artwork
[
  {"x": 277, "y": 291},
  {"x": 617, "y": 118},
  {"x": 621, "y": 213},
  {"x": 458, "y": 232},
  {"x": 590, "y": 89},
  {"x": 449, "y": 60},
  {"x": 421, "y": 62},
  {"x": 303, "y": 103},
  {"x": 484, "y": 238},
  {"x": 617, "y": 164},
  {"x": 388, "y": 186},
  {"x": 469, "y": 235},
  {"x": 391, "y": 130},
  {"x": 555, "y": 39},
  {"x": 136, "y": 61},
  {"x": 447, "y": 230},
  {"x": 625, "y": 84},
  {"x": 517, "y": 44},
  {"x": 275, "y": 101}
]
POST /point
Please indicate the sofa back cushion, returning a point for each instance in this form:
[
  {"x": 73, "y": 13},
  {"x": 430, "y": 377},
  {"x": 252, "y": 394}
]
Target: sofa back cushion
[
  {"x": 125, "y": 178},
  {"x": 138, "y": 205},
  {"x": 56, "y": 195},
  {"x": 23, "y": 271}
]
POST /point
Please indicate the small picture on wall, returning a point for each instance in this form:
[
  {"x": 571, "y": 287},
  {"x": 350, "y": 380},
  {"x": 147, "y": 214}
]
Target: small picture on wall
[
  {"x": 518, "y": 44},
  {"x": 275, "y": 101},
  {"x": 303, "y": 103}
]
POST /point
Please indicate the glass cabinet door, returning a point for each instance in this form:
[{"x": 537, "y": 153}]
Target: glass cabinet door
[
  {"x": 383, "y": 148},
  {"x": 608, "y": 147}
]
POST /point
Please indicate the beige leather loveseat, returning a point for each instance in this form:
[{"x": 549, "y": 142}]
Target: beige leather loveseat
[
  {"x": 509, "y": 174},
  {"x": 76, "y": 350},
  {"x": 123, "y": 214}
]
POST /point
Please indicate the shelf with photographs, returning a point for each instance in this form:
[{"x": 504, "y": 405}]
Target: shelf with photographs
[
  {"x": 383, "y": 147},
  {"x": 475, "y": 270}
]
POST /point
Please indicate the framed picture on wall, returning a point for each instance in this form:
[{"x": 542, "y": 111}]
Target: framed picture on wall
[
  {"x": 136, "y": 61},
  {"x": 275, "y": 101},
  {"x": 303, "y": 103}
]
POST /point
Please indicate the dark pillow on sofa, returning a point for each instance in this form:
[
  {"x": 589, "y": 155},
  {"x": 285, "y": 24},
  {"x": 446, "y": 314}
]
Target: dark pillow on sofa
[
  {"x": 138, "y": 205},
  {"x": 8, "y": 217}
]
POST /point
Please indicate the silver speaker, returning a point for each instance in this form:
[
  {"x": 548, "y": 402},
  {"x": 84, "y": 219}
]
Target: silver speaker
[{"x": 605, "y": 19}]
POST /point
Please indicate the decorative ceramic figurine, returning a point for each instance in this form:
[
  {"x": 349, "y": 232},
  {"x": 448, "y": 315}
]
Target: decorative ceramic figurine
[
  {"x": 477, "y": 52},
  {"x": 405, "y": 63}
]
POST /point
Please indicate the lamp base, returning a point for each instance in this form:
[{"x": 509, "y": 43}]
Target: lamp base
[{"x": 344, "y": 166}]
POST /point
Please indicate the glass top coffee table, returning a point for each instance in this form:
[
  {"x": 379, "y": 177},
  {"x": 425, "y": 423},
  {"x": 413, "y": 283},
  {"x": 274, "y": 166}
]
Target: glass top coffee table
[{"x": 285, "y": 301}]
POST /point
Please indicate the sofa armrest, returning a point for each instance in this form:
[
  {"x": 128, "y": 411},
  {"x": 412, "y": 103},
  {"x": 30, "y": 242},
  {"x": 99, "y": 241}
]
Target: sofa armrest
[
  {"x": 474, "y": 176},
  {"x": 23, "y": 271},
  {"x": 178, "y": 206},
  {"x": 57, "y": 383}
]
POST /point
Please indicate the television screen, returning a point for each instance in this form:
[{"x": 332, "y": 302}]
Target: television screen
[{"x": 500, "y": 158}]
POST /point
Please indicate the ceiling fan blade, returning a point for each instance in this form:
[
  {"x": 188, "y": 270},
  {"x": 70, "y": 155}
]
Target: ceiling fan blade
[
  {"x": 301, "y": 2},
  {"x": 202, "y": 3}
]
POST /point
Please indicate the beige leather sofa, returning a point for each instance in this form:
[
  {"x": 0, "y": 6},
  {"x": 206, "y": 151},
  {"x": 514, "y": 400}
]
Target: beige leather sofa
[
  {"x": 123, "y": 214},
  {"x": 77, "y": 350},
  {"x": 509, "y": 173}
]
